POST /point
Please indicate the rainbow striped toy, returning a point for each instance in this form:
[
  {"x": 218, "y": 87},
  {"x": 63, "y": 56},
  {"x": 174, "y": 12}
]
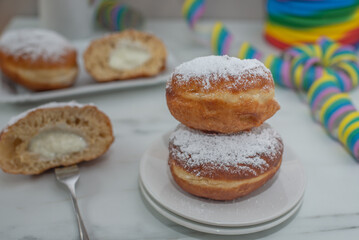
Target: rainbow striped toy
[
  {"x": 192, "y": 10},
  {"x": 326, "y": 71},
  {"x": 296, "y": 21},
  {"x": 115, "y": 16},
  {"x": 219, "y": 38}
]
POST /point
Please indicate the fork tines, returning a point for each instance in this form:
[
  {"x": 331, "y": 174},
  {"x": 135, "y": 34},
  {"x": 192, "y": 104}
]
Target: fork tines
[{"x": 66, "y": 171}]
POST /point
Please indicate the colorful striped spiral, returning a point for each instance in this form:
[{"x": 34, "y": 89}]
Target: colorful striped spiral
[
  {"x": 192, "y": 10},
  {"x": 293, "y": 22},
  {"x": 325, "y": 70},
  {"x": 219, "y": 38},
  {"x": 115, "y": 16}
]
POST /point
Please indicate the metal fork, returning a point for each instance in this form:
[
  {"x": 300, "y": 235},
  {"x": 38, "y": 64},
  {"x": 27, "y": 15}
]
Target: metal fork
[{"x": 68, "y": 176}]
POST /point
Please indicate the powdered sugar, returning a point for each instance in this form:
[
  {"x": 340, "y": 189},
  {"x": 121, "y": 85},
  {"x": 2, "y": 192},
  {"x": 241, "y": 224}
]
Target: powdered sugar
[
  {"x": 34, "y": 44},
  {"x": 13, "y": 120},
  {"x": 236, "y": 152},
  {"x": 211, "y": 68}
]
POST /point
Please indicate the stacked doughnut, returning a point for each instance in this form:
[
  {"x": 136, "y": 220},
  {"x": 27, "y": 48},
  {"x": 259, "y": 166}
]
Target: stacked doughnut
[{"x": 222, "y": 150}]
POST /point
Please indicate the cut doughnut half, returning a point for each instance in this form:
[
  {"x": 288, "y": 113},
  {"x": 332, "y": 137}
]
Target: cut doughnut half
[
  {"x": 52, "y": 135},
  {"x": 125, "y": 55}
]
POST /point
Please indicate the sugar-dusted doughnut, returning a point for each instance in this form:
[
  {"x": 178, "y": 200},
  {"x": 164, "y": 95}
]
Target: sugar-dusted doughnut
[
  {"x": 125, "y": 55},
  {"x": 55, "y": 134},
  {"x": 221, "y": 94},
  {"x": 38, "y": 59},
  {"x": 224, "y": 167}
]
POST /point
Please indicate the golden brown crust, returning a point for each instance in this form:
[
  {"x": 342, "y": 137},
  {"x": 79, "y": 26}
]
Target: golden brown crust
[
  {"x": 97, "y": 54},
  {"x": 87, "y": 121},
  {"x": 219, "y": 189},
  {"x": 221, "y": 111},
  {"x": 40, "y": 74}
]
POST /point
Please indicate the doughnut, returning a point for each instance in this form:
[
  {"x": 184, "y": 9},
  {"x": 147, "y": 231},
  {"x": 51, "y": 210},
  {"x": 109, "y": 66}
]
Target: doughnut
[
  {"x": 52, "y": 135},
  {"x": 125, "y": 55},
  {"x": 221, "y": 94},
  {"x": 38, "y": 59},
  {"x": 224, "y": 167}
]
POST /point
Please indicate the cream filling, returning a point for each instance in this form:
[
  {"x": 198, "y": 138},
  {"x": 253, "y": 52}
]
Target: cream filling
[
  {"x": 221, "y": 184},
  {"x": 128, "y": 55},
  {"x": 56, "y": 143},
  {"x": 254, "y": 95}
]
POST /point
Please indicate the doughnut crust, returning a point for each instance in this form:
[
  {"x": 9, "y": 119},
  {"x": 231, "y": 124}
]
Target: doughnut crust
[
  {"x": 88, "y": 127},
  {"x": 38, "y": 59},
  {"x": 221, "y": 94},
  {"x": 97, "y": 56},
  {"x": 224, "y": 167}
]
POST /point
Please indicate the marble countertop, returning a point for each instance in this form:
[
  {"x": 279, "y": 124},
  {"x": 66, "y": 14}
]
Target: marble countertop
[{"x": 38, "y": 208}]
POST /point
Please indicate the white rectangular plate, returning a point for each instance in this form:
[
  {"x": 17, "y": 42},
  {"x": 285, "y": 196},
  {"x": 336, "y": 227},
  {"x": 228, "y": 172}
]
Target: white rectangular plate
[{"x": 85, "y": 84}]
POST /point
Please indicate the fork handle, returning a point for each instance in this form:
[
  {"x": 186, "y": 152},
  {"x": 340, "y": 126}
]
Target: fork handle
[{"x": 81, "y": 225}]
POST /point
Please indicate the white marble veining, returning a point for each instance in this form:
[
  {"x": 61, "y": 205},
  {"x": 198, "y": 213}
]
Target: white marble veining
[{"x": 37, "y": 208}]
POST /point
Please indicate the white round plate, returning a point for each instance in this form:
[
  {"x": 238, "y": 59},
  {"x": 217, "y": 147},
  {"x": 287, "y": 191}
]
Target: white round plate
[
  {"x": 216, "y": 229},
  {"x": 276, "y": 198}
]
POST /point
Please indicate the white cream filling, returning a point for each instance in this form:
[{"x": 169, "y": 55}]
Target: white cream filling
[
  {"x": 128, "y": 55},
  {"x": 56, "y": 143}
]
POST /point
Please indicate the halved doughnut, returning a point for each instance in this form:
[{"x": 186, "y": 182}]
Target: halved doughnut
[
  {"x": 125, "y": 55},
  {"x": 52, "y": 135}
]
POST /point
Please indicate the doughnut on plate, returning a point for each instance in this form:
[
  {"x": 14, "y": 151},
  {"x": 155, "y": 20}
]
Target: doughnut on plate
[
  {"x": 276, "y": 198},
  {"x": 224, "y": 166}
]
